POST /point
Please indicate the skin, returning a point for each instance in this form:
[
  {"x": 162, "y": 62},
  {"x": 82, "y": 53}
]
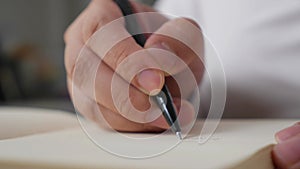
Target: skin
[
  {"x": 148, "y": 82},
  {"x": 286, "y": 154}
]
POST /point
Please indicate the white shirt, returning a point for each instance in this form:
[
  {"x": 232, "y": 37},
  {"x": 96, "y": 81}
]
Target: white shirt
[{"x": 258, "y": 42}]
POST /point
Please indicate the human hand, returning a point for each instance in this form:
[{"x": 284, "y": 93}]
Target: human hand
[
  {"x": 286, "y": 154},
  {"x": 97, "y": 95}
]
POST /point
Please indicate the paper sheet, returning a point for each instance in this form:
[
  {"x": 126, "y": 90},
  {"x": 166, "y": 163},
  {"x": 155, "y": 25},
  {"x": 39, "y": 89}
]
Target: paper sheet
[{"x": 232, "y": 146}]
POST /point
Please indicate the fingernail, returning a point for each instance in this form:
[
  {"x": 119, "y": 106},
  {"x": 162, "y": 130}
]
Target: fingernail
[
  {"x": 287, "y": 153},
  {"x": 287, "y": 133},
  {"x": 151, "y": 81}
]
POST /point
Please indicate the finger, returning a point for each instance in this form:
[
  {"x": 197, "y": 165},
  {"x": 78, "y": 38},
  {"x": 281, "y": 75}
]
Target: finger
[
  {"x": 99, "y": 13},
  {"x": 179, "y": 36},
  {"x": 287, "y": 133},
  {"x": 104, "y": 117},
  {"x": 185, "y": 114},
  {"x": 98, "y": 81},
  {"x": 89, "y": 108},
  {"x": 83, "y": 27},
  {"x": 112, "y": 43},
  {"x": 106, "y": 89},
  {"x": 96, "y": 16},
  {"x": 120, "y": 123},
  {"x": 115, "y": 51},
  {"x": 116, "y": 98},
  {"x": 104, "y": 93},
  {"x": 185, "y": 82},
  {"x": 286, "y": 155}
]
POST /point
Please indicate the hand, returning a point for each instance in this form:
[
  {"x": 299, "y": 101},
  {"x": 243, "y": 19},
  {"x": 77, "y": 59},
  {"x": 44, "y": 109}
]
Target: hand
[
  {"x": 90, "y": 96},
  {"x": 286, "y": 154}
]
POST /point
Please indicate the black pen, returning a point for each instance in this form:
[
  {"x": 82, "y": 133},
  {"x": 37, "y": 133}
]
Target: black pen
[{"x": 164, "y": 98}]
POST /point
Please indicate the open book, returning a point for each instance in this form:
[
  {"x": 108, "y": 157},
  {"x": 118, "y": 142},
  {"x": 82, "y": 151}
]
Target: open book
[{"x": 37, "y": 138}]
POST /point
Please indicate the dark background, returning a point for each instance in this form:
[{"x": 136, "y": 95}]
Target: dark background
[{"x": 32, "y": 51}]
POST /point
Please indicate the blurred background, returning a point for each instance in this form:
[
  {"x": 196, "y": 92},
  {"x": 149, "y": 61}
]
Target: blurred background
[{"x": 32, "y": 51}]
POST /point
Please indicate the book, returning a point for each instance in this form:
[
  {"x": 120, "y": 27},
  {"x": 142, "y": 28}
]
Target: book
[{"x": 38, "y": 138}]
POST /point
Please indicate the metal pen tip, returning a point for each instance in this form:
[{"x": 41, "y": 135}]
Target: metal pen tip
[{"x": 178, "y": 134}]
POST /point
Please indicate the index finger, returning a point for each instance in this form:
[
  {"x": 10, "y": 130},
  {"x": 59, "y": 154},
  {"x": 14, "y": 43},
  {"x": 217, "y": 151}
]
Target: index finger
[{"x": 113, "y": 44}]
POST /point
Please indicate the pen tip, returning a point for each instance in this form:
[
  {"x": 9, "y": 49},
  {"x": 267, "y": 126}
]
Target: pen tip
[{"x": 178, "y": 134}]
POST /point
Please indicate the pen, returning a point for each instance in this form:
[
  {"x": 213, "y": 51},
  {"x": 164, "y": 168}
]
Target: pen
[{"x": 163, "y": 98}]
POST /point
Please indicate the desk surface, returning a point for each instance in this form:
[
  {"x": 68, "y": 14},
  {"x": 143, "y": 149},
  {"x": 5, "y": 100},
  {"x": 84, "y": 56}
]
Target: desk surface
[{"x": 67, "y": 146}]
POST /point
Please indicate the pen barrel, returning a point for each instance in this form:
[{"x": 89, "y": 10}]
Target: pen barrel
[{"x": 164, "y": 101}]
